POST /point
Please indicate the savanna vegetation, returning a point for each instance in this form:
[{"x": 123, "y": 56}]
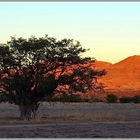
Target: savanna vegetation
[
  {"x": 35, "y": 69},
  {"x": 111, "y": 98},
  {"x": 134, "y": 99}
]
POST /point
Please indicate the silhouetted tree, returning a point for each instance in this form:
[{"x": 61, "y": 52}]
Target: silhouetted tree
[
  {"x": 35, "y": 68},
  {"x": 111, "y": 98}
]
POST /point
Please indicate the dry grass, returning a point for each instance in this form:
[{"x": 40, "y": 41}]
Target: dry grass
[
  {"x": 73, "y": 120},
  {"x": 73, "y": 112}
]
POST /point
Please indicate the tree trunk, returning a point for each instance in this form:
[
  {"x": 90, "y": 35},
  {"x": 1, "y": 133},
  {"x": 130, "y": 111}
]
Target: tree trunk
[
  {"x": 34, "y": 110},
  {"x": 25, "y": 112},
  {"x": 28, "y": 112}
]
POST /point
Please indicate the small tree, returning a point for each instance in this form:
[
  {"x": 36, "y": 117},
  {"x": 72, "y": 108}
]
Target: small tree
[
  {"x": 35, "y": 68},
  {"x": 111, "y": 98}
]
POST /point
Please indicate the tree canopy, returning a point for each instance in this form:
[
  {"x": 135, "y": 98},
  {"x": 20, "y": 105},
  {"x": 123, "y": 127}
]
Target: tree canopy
[{"x": 35, "y": 68}]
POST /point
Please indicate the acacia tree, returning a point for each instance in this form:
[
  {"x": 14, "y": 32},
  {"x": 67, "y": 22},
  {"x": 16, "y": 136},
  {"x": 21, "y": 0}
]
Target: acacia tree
[{"x": 33, "y": 69}]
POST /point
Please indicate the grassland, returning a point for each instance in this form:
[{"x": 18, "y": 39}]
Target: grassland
[{"x": 73, "y": 120}]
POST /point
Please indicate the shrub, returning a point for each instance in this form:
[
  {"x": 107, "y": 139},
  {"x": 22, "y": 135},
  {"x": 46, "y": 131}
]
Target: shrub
[
  {"x": 111, "y": 98},
  {"x": 72, "y": 98},
  {"x": 66, "y": 98},
  {"x": 125, "y": 99},
  {"x": 136, "y": 99},
  {"x": 90, "y": 100}
]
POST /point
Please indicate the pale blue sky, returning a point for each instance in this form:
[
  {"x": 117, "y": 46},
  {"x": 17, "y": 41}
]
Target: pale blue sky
[{"x": 110, "y": 30}]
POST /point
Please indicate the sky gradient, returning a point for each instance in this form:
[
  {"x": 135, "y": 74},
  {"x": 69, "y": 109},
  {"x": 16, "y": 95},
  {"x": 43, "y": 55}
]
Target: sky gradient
[{"x": 110, "y": 30}]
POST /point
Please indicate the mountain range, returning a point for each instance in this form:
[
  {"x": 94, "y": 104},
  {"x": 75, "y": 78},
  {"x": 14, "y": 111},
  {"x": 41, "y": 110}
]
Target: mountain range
[{"x": 122, "y": 77}]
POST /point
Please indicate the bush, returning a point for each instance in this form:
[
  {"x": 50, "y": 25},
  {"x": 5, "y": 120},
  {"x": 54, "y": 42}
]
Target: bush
[
  {"x": 66, "y": 98},
  {"x": 90, "y": 100},
  {"x": 136, "y": 99},
  {"x": 111, "y": 98},
  {"x": 71, "y": 98},
  {"x": 126, "y": 99}
]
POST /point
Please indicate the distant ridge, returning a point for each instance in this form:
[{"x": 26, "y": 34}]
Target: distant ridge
[
  {"x": 102, "y": 64},
  {"x": 124, "y": 75},
  {"x": 131, "y": 59}
]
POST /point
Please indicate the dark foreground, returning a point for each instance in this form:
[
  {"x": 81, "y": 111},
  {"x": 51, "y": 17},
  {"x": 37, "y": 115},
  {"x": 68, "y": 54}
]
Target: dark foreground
[
  {"x": 74, "y": 120},
  {"x": 73, "y": 130}
]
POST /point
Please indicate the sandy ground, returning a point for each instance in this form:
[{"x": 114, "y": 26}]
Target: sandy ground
[{"x": 73, "y": 120}]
